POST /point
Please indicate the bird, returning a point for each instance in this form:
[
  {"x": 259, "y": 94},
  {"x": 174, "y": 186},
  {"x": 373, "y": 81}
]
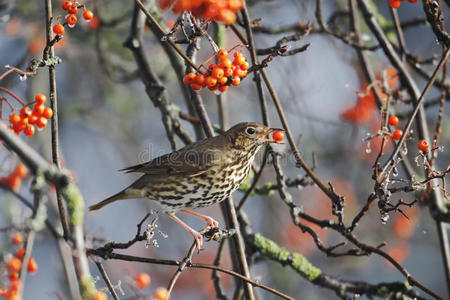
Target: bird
[{"x": 199, "y": 175}]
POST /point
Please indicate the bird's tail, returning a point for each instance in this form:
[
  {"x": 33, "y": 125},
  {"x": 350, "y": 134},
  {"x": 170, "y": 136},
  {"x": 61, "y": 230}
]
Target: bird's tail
[{"x": 119, "y": 196}]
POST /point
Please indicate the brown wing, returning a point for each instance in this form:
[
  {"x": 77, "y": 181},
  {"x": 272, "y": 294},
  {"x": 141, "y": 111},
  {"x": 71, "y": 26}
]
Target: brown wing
[{"x": 193, "y": 159}]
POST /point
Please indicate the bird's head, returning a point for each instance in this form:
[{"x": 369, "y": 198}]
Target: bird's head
[{"x": 250, "y": 133}]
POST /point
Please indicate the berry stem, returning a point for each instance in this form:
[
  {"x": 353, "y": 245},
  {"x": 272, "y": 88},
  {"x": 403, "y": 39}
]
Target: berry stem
[{"x": 12, "y": 95}]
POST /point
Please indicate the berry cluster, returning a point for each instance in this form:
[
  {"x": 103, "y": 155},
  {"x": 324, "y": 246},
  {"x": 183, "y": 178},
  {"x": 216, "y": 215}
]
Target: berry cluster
[
  {"x": 223, "y": 11},
  {"x": 397, "y": 3},
  {"x": 28, "y": 117},
  {"x": 14, "y": 179},
  {"x": 71, "y": 18},
  {"x": 220, "y": 77},
  {"x": 14, "y": 265},
  {"x": 397, "y": 134}
]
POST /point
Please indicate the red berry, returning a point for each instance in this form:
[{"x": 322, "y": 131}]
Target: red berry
[
  {"x": 21, "y": 252},
  {"x": 32, "y": 265},
  {"x": 33, "y": 119},
  {"x": 40, "y": 99},
  {"x": 397, "y": 134},
  {"x": 66, "y": 5},
  {"x": 189, "y": 78},
  {"x": 38, "y": 110},
  {"x": 13, "y": 276},
  {"x": 223, "y": 80},
  {"x": 199, "y": 79},
  {"x": 423, "y": 145},
  {"x": 142, "y": 280},
  {"x": 14, "y": 119},
  {"x": 88, "y": 15},
  {"x": 196, "y": 86},
  {"x": 73, "y": 9},
  {"x": 25, "y": 112},
  {"x": 222, "y": 54},
  {"x": 217, "y": 72},
  {"x": 393, "y": 120},
  {"x": 14, "y": 264},
  {"x": 413, "y": 1},
  {"x": 210, "y": 81},
  {"x": 29, "y": 130},
  {"x": 244, "y": 66},
  {"x": 239, "y": 59},
  {"x": 71, "y": 19},
  {"x": 211, "y": 67},
  {"x": 58, "y": 29},
  {"x": 21, "y": 170},
  {"x": 100, "y": 296},
  {"x": 48, "y": 113},
  {"x": 42, "y": 122},
  {"x": 228, "y": 72},
  {"x": 17, "y": 238},
  {"x": 226, "y": 63},
  {"x": 395, "y": 3},
  {"x": 278, "y": 136},
  {"x": 223, "y": 88}
]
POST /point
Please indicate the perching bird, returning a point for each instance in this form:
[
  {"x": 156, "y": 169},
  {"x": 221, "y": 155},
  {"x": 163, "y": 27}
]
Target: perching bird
[{"x": 198, "y": 175}]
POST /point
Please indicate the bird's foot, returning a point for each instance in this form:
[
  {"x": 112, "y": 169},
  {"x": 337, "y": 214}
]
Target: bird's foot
[{"x": 198, "y": 237}]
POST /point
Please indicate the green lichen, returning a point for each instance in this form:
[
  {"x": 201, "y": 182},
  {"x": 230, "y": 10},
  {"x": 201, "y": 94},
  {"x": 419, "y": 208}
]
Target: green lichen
[
  {"x": 75, "y": 203},
  {"x": 297, "y": 261},
  {"x": 88, "y": 289}
]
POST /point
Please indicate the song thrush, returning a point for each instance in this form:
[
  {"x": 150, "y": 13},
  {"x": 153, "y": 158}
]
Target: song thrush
[{"x": 198, "y": 175}]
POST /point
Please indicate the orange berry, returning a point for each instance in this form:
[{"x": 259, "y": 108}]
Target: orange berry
[
  {"x": 94, "y": 23},
  {"x": 226, "y": 16},
  {"x": 217, "y": 72},
  {"x": 210, "y": 81},
  {"x": 223, "y": 88},
  {"x": 199, "y": 79},
  {"x": 12, "y": 295},
  {"x": 20, "y": 252},
  {"x": 244, "y": 66},
  {"x": 33, "y": 119},
  {"x": 14, "y": 181},
  {"x": 14, "y": 264},
  {"x": 236, "y": 80},
  {"x": 32, "y": 265},
  {"x": 222, "y": 80},
  {"x": 66, "y": 5},
  {"x": 72, "y": 19},
  {"x": 100, "y": 296},
  {"x": 73, "y": 9},
  {"x": 38, "y": 110},
  {"x": 48, "y": 113},
  {"x": 239, "y": 59},
  {"x": 222, "y": 54},
  {"x": 393, "y": 120},
  {"x": 14, "y": 118},
  {"x": 212, "y": 88},
  {"x": 423, "y": 145},
  {"x": 211, "y": 67},
  {"x": 29, "y": 130},
  {"x": 395, "y": 3},
  {"x": 226, "y": 63},
  {"x": 196, "y": 86},
  {"x": 40, "y": 98},
  {"x": 42, "y": 122},
  {"x": 278, "y": 135},
  {"x": 142, "y": 280},
  {"x": 397, "y": 134},
  {"x": 25, "y": 112},
  {"x": 13, "y": 276},
  {"x": 17, "y": 238},
  {"x": 21, "y": 170},
  {"x": 88, "y": 15},
  {"x": 58, "y": 29},
  {"x": 235, "y": 5},
  {"x": 228, "y": 72},
  {"x": 189, "y": 78},
  {"x": 161, "y": 294}
]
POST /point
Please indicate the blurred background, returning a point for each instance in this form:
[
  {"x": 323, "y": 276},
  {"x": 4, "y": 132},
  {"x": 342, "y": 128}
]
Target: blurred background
[{"x": 107, "y": 122}]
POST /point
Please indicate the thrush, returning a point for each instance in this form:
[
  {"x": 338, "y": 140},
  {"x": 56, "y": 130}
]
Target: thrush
[{"x": 198, "y": 175}]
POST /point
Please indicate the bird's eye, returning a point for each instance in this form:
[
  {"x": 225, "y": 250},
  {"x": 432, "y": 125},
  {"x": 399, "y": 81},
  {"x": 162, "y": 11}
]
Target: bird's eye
[{"x": 251, "y": 130}]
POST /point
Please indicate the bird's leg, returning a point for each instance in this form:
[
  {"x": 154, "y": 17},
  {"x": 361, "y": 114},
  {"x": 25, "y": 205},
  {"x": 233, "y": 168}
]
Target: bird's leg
[
  {"x": 197, "y": 236},
  {"x": 209, "y": 221}
]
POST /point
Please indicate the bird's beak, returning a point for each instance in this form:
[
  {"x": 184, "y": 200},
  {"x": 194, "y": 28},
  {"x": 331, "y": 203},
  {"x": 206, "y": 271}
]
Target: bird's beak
[{"x": 264, "y": 136}]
